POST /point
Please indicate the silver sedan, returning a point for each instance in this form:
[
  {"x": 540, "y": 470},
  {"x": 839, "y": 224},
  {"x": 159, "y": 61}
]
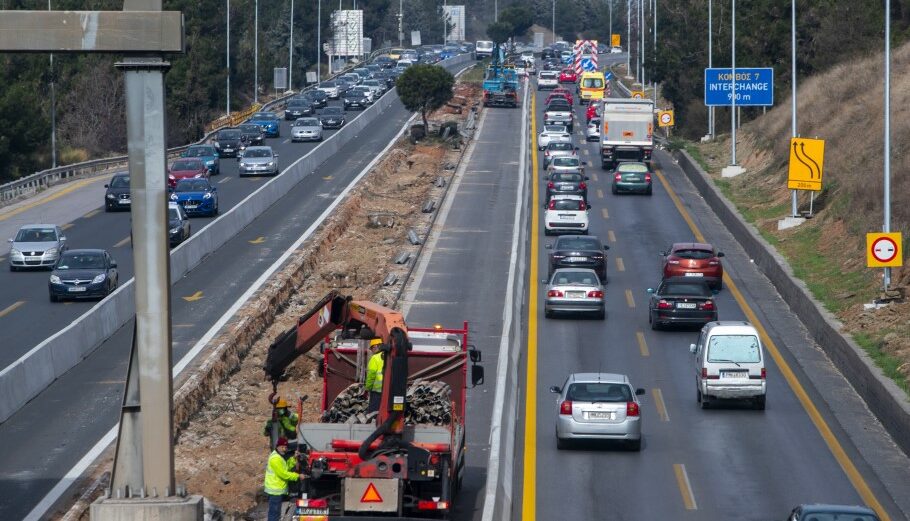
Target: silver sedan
[
  {"x": 598, "y": 406},
  {"x": 574, "y": 290},
  {"x": 258, "y": 160},
  {"x": 306, "y": 129},
  {"x": 36, "y": 246}
]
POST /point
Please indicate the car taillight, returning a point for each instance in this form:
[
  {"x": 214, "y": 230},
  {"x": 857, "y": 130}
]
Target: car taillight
[
  {"x": 565, "y": 407},
  {"x": 632, "y": 409},
  {"x": 550, "y": 184},
  {"x": 313, "y": 503},
  {"x": 706, "y": 376},
  {"x": 547, "y": 153},
  {"x": 713, "y": 262},
  {"x": 618, "y": 177},
  {"x": 552, "y": 205},
  {"x": 663, "y": 304},
  {"x": 432, "y": 505},
  {"x": 555, "y": 293},
  {"x": 596, "y": 294},
  {"x": 582, "y": 205},
  {"x": 648, "y": 177},
  {"x": 582, "y": 185},
  {"x": 672, "y": 261},
  {"x": 708, "y": 305},
  {"x": 763, "y": 373}
]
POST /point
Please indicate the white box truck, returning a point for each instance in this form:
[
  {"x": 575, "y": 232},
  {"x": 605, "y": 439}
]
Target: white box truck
[{"x": 627, "y": 131}]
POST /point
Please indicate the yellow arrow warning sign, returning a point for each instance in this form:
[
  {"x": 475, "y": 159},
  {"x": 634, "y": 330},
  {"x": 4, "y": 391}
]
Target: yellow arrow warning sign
[
  {"x": 807, "y": 161},
  {"x": 371, "y": 495}
]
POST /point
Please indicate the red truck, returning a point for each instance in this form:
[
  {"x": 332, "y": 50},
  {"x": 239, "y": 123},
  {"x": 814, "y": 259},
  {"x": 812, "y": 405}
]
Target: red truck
[{"x": 392, "y": 466}]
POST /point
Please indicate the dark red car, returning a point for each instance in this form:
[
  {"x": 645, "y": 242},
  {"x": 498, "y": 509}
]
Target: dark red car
[
  {"x": 568, "y": 76},
  {"x": 694, "y": 259},
  {"x": 562, "y": 91},
  {"x": 186, "y": 168},
  {"x": 593, "y": 111}
]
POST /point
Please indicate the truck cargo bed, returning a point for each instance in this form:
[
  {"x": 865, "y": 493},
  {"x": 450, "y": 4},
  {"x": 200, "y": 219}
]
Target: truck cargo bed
[{"x": 319, "y": 436}]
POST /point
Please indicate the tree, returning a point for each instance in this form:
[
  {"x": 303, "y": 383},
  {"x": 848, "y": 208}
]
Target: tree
[
  {"x": 500, "y": 32},
  {"x": 521, "y": 18},
  {"x": 424, "y": 88}
]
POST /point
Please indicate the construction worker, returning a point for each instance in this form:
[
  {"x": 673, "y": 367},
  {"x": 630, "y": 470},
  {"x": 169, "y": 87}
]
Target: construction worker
[
  {"x": 375, "y": 369},
  {"x": 278, "y": 471},
  {"x": 286, "y": 419}
]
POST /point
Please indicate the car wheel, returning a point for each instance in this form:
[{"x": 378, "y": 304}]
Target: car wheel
[
  {"x": 614, "y": 190},
  {"x": 648, "y": 191},
  {"x": 720, "y": 285},
  {"x": 562, "y": 444},
  {"x": 760, "y": 403},
  {"x": 54, "y": 298},
  {"x": 215, "y": 211},
  {"x": 654, "y": 325},
  {"x": 602, "y": 315},
  {"x": 13, "y": 268},
  {"x": 705, "y": 401},
  {"x": 635, "y": 445}
]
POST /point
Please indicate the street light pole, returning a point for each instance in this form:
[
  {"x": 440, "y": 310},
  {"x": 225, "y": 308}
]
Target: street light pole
[
  {"x": 733, "y": 81},
  {"x": 318, "y": 42},
  {"x": 53, "y": 109},
  {"x": 641, "y": 42},
  {"x": 400, "y": 23},
  {"x": 628, "y": 37},
  {"x": 553, "y": 22},
  {"x": 445, "y": 22},
  {"x": 887, "y": 192},
  {"x": 793, "y": 202},
  {"x": 710, "y": 64},
  {"x": 291, "y": 51},
  {"x": 228, "y": 61},
  {"x": 611, "y": 23},
  {"x": 256, "y": 53}
]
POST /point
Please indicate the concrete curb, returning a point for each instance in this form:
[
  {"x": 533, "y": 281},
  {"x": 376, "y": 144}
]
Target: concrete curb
[
  {"x": 885, "y": 399},
  {"x": 36, "y": 370}
]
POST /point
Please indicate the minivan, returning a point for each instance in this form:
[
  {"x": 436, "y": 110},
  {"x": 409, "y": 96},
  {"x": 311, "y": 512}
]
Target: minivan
[
  {"x": 483, "y": 49},
  {"x": 729, "y": 364}
]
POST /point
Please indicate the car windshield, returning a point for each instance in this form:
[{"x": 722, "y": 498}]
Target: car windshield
[
  {"x": 332, "y": 111},
  {"x": 578, "y": 243},
  {"x": 257, "y": 152},
  {"x": 555, "y": 129},
  {"x": 36, "y": 235},
  {"x": 594, "y": 83},
  {"x": 80, "y": 261},
  {"x": 173, "y": 214},
  {"x": 838, "y": 516},
  {"x": 200, "y": 152},
  {"x": 298, "y": 103},
  {"x": 599, "y": 392},
  {"x": 327, "y": 84},
  {"x": 559, "y": 103},
  {"x": 264, "y": 115},
  {"x": 192, "y": 185},
  {"x": 566, "y": 177},
  {"x": 734, "y": 348},
  {"x": 692, "y": 253},
  {"x": 371, "y": 83},
  {"x": 307, "y": 122},
  {"x": 559, "y": 146},
  {"x": 186, "y": 165},
  {"x": 566, "y": 204},
  {"x": 633, "y": 167},
  {"x": 229, "y": 134},
  {"x": 548, "y": 75},
  {"x": 120, "y": 181},
  {"x": 566, "y": 161},
  {"x": 685, "y": 288}
]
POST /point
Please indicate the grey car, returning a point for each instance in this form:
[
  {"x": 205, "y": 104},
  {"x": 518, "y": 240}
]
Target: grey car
[
  {"x": 599, "y": 407},
  {"x": 576, "y": 291},
  {"x": 306, "y": 129},
  {"x": 556, "y": 149},
  {"x": 378, "y": 87},
  {"x": 258, "y": 160},
  {"x": 566, "y": 165},
  {"x": 36, "y": 246}
]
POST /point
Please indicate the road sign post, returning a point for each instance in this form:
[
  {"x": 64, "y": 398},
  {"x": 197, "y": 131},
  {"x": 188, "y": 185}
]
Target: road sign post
[
  {"x": 884, "y": 250},
  {"x": 807, "y": 164},
  {"x": 754, "y": 87}
]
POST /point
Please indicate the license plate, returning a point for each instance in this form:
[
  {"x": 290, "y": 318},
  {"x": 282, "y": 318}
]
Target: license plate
[
  {"x": 565, "y": 187},
  {"x": 566, "y": 216},
  {"x": 600, "y": 415},
  {"x": 575, "y": 294},
  {"x": 190, "y": 206},
  {"x": 125, "y": 201},
  {"x": 694, "y": 274},
  {"x": 228, "y": 149},
  {"x": 633, "y": 179},
  {"x": 76, "y": 289},
  {"x": 577, "y": 259},
  {"x": 685, "y": 305},
  {"x": 312, "y": 511},
  {"x": 733, "y": 374}
]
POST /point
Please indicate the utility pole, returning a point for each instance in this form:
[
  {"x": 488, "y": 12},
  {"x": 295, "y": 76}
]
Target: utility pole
[
  {"x": 654, "y": 48},
  {"x": 610, "y": 3},
  {"x": 256, "y": 53},
  {"x": 628, "y": 37},
  {"x": 291, "y": 51},
  {"x": 228, "y": 57},
  {"x": 53, "y": 109},
  {"x": 553, "y": 22},
  {"x": 641, "y": 44},
  {"x": 733, "y": 81},
  {"x": 710, "y": 64},
  {"x": 887, "y": 192},
  {"x": 794, "y": 210},
  {"x": 400, "y": 23},
  {"x": 445, "y": 23},
  {"x": 318, "y": 42}
]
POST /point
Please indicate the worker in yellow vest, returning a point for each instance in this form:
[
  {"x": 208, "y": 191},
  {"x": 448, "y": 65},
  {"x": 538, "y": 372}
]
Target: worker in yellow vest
[
  {"x": 278, "y": 471},
  {"x": 375, "y": 369},
  {"x": 285, "y": 418}
]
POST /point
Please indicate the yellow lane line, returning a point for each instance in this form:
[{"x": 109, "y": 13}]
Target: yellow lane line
[
  {"x": 2, "y": 259},
  {"x": 611, "y": 236},
  {"x": 682, "y": 479},
  {"x": 642, "y": 345},
  {"x": 66, "y": 226},
  {"x": 661, "y": 406},
  {"x": 529, "y": 490},
  {"x": 629, "y": 300},
  {"x": 13, "y": 307},
  {"x": 194, "y": 297},
  {"x": 600, "y": 193},
  {"x": 604, "y": 213},
  {"x": 837, "y": 450},
  {"x": 595, "y": 177},
  {"x": 619, "y": 264},
  {"x": 91, "y": 214},
  {"x": 122, "y": 242},
  {"x": 75, "y": 186},
  {"x": 587, "y": 152}
]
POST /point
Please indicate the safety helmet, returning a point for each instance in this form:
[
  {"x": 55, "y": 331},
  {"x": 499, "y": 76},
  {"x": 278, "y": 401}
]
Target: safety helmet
[
  {"x": 281, "y": 403},
  {"x": 375, "y": 342}
]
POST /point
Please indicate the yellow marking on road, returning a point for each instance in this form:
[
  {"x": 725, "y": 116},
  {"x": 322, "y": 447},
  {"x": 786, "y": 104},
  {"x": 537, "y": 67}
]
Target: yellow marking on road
[
  {"x": 595, "y": 177},
  {"x": 642, "y": 345},
  {"x": 66, "y": 226},
  {"x": 327, "y": 178},
  {"x": 2, "y": 259},
  {"x": 619, "y": 264},
  {"x": 629, "y": 300},
  {"x": 194, "y": 297},
  {"x": 600, "y": 193},
  {"x": 586, "y": 152},
  {"x": 91, "y": 214},
  {"x": 611, "y": 236},
  {"x": 529, "y": 495},
  {"x": 70, "y": 189},
  {"x": 661, "y": 406},
  {"x": 604, "y": 213},
  {"x": 682, "y": 479},
  {"x": 225, "y": 180},
  {"x": 12, "y": 307},
  {"x": 257, "y": 240},
  {"x": 123, "y": 242},
  {"x": 837, "y": 450}
]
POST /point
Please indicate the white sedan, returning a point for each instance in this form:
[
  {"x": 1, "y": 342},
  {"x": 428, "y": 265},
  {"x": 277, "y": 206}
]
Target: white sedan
[
  {"x": 566, "y": 213},
  {"x": 592, "y": 133},
  {"x": 553, "y": 134}
]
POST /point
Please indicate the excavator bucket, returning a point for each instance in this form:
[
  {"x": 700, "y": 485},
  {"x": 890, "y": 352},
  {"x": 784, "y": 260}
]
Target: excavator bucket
[{"x": 326, "y": 316}]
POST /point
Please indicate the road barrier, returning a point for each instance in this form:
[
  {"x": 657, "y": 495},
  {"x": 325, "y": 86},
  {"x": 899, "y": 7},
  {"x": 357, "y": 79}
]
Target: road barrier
[{"x": 36, "y": 370}]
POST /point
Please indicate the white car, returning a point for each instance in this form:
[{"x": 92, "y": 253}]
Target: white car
[
  {"x": 330, "y": 88},
  {"x": 547, "y": 80},
  {"x": 566, "y": 214},
  {"x": 616, "y": 50},
  {"x": 528, "y": 57},
  {"x": 553, "y": 134},
  {"x": 592, "y": 133},
  {"x": 521, "y": 70},
  {"x": 729, "y": 364}
]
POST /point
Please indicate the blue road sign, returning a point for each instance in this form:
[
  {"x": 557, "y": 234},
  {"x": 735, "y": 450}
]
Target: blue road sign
[
  {"x": 754, "y": 87},
  {"x": 608, "y": 75},
  {"x": 588, "y": 64}
]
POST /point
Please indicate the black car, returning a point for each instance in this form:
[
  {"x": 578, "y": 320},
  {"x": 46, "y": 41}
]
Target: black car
[
  {"x": 566, "y": 183},
  {"x": 117, "y": 195},
  {"x": 251, "y": 135},
  {"x": 228, "y": 142},
  {"x": 318, "y": 98},
  {"x": 681, "y": 300},
  {"x": 548, "y": 53},
  {"x": 355, "y": 100},
  {"x": 385, "y": 62},
  {"x": 821, "y": 512},
  {"x": 578, "y": 251},
  {"x": 332, "y": 117},
  {"x": 82, "y": 274},
  {"x": 178, "y": 224},
  {"x": 299, "y": 107}
]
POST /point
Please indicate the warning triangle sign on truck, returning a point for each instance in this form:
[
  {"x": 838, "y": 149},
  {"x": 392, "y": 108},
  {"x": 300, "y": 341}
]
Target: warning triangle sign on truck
[{"x": 371, "y": 495}]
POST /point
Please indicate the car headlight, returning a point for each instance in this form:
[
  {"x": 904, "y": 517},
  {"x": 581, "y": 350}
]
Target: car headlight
[
  {"x": 197, "y": 176},
  {"x": 14, "y": 251},
  {"x": 244, "y": 165},
  {"x": 217, "y": 144},
  {"x": 207, "y": 196},
  {"x": 50, "y": 252},
  {"x": 210, "y": 162},
  {"x": 55, "y": 279},
  {"x": 111, "y": 196},
  {"x": 175, "y": 230},
  {"x": 98, "y": 278},
  {"x": 173, "y": 197},
  {"x": 271, "y": 163}
]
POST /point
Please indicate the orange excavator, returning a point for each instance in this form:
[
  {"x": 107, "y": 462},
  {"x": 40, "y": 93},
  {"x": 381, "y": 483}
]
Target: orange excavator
[{"x": 391, "y": 467}]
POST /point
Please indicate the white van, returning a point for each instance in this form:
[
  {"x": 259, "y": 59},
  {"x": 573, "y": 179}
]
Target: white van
[
  {"x": 729, "y": 364},
  {"x": 483, "y": 49}
]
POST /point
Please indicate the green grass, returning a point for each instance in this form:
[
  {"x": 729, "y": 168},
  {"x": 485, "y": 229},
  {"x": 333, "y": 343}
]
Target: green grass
[
  {"x": 888, "y": 364},
  {"x": 696, "y": 154},
  {"x": 474, "y": 74}
]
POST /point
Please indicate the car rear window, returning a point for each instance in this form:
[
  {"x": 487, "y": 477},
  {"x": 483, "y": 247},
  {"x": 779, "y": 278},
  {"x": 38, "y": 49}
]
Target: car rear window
[
  {"x": 566, "y": 161},
  {"x": 685, "y": 288},
  {"x": 549, "y": 75},
  {"x": 566, "y": 177},
  {"x": 830, "y": 516},
  {"x": 77, "y": 261},
  {"x": 599, "y": 392},
  {"x": 559, "y": 146},
  {"x": 734, "y": 348},
  {"x": 555, "y": 128},
  {"x": 633, "y": 167},
  {"x": 695, "y": 254},
  {"x": 566, "y": 204},
  {"x": 577, "y": 243},
  {"x": 186, "y": 165},
  {"x": 581, "y": 278}
]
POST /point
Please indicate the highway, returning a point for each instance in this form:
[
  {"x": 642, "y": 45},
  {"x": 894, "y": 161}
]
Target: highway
[
  {"x": 723, "y": 463},
  {"x": 44, "y": 439}
]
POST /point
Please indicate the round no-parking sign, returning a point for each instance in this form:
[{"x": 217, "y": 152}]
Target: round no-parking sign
[{"x": 883, "y": 250}]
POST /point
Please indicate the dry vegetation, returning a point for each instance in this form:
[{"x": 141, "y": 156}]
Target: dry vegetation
[{"x": 844, "y": 107}]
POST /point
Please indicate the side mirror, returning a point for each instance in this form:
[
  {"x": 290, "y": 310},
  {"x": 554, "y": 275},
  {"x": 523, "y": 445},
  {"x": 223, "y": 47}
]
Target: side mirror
[
  {"x": 62, "y": 238},
  {"x": 639, "y": 392},
  {"x": 214, "y": 188},
  {"x": 586, "y": 178},
  {"x": 720, "y": 254},
  {"x": 650, "y": 291},
  {"x": 692, "y": 348},
  {"x": 544, "y": 281},
  {"x": 589, "y": 206},
  {"x": 9, "y": 240},
  {"x": 663, "y": 253},
  {"x": 106, "y": 186},
  {"x": 576, "y": 148},
  {"x": 476, "y": 375},
  {"x": 549, "y": 246},
  {"x": 275, "y": 156},
  {"x": 475, "y": 355},
  {"x": 606, "y": 247},
  {"x": 555, "y": 389},
  {"x": 113, "y": 264}
]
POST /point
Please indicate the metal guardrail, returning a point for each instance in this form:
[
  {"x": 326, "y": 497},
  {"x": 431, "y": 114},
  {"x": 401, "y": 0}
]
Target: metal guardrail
[{"x": 44, "y": 179}]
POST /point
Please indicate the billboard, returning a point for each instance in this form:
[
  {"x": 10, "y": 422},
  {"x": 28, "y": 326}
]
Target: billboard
[
  {"x": 455, "y": 16},
  {"x": 347, "y": 32}
]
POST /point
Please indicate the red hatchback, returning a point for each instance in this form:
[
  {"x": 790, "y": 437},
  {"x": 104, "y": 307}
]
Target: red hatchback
[
  {"x": 186, "y": 168},
  {"x": 562, "y": 91},
  {"x": 593, "y": 111},
  {"x": 568, "y": 76},
  {"x": 694, "y": 259}
]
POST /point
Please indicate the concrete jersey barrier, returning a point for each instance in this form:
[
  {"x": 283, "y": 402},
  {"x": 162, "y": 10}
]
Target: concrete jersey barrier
[{"x": 38, "y": 368}]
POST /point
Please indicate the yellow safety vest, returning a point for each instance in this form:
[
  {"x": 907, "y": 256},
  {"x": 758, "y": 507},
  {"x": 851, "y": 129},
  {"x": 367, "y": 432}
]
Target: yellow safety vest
[
  {"x": 375, "y": 368},
  {"x": 278, "y": 473}
]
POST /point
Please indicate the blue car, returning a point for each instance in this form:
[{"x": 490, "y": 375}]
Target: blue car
[
  {"x": 207, "y": 154},
  {"x": 197, "y": 197},
  {"x": 269, "y": 123}
]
